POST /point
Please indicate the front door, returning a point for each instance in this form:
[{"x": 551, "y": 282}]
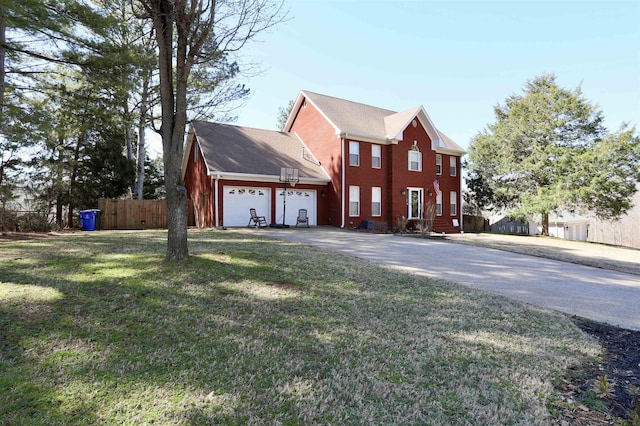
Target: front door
[{"x": 416, "y": 196}]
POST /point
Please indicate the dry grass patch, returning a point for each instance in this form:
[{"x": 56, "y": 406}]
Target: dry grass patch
[{"x": 256, "y": 331}]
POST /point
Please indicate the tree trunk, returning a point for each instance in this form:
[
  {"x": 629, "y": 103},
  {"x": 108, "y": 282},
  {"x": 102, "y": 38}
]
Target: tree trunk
[
  {"x": 172, "y": 132},
  {"x": 142, "y": 148},
  {"x": 129, "y": 142},
  {"x": 72, "y": 181},
  {"x": 3, "y": 30},
  {"x": 545, "y": 223},
  {"x": 59, "y": 206}
]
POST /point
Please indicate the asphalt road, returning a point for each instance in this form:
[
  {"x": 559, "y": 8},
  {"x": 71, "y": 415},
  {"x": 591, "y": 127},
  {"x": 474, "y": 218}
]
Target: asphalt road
[{"x": 597, "y": 294}]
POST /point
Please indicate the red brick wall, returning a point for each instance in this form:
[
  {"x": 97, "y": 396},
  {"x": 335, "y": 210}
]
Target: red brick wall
[
  {"x": 367, "y": 177},
  {"x": 200, "y": 188},
  {"x": 394, "y": 176},
  {"x": 320, "y": 137}
]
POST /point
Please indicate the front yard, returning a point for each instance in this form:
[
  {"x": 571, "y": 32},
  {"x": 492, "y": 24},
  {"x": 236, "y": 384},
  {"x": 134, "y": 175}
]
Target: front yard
[{"x": 96, "y": 328}]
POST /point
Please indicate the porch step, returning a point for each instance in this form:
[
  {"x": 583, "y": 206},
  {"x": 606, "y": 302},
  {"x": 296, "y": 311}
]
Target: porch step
[{"x": 444, "y": 225}]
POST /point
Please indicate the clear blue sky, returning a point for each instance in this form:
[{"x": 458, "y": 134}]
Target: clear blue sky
[{"x": 457, "y": 59}]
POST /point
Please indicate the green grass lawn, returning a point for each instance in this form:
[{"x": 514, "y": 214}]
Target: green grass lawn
[{"x": 97, "y": 328}]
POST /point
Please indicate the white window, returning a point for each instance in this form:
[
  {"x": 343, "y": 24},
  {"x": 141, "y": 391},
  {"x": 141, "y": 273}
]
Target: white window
[
  {"x": 452, "y": 166},
  {"x": 376, "y": 201},
  {"x": 439, "y": 204},
  {"x": 354, "y": 201},
  {"x": 354, "y": 153},
  {"x": 376, "y": 157},
  {"x": 415, "y": 161},
  {"x": 438, "y": 164},
  {"x": 453, "y": 203}
]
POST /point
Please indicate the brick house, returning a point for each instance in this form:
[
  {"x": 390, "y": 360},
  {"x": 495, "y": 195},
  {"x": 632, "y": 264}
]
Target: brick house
[{"x": 358, "y": 165}]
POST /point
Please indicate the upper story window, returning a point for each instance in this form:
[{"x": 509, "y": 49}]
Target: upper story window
[
  {"x": 354, "y": 153},
  {"x": 376, "y": 156},
  {"x": 415, "y": 160},
  {"x": 438, "y": 164},
  {"x": 452, "y": 166},
  {"x": 195, "y": 153}
]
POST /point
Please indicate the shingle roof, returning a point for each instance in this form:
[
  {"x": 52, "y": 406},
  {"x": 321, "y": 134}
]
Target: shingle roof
[
  {"x": 234, "y": 149},
  {"x": 369, "y": 121},
  {"x": 351, "y": 116}
]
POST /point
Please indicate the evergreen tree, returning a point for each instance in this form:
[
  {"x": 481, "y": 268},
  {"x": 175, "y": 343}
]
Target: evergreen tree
[
  {"x": 283, "y": 114},
  {"x": 548, "y": 151}
]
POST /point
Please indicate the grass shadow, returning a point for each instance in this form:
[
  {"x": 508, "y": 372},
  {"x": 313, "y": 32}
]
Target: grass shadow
[{"x": 256, "y": 330}]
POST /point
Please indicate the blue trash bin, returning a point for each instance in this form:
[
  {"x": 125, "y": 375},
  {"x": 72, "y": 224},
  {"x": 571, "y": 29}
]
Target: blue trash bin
[{"x": 89, "y": 219}]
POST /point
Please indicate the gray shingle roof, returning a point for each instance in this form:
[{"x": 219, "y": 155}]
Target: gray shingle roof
[
  {"x": 234, "y": 149},
  {"x": 351, "y": 116},
  {"x": 366, "y": 120}
]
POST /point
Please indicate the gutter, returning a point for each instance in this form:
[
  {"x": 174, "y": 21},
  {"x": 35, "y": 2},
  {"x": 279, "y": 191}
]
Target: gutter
[
  {"x": 367, "y": 138},
  {"x": 265, "y": 178}
]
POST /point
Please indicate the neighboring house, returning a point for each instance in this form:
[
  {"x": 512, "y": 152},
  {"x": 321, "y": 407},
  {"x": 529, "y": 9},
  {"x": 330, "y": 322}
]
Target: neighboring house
[
  {"x": 567, "y": 226},
  {"x": 358, "y": 164},
  {"x": 506, "y": 225},
  {"x": 624, "y": 231}
]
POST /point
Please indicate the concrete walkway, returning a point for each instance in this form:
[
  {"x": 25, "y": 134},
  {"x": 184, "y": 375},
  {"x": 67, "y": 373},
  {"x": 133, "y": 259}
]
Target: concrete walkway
[{"x": 597, "y": 294}]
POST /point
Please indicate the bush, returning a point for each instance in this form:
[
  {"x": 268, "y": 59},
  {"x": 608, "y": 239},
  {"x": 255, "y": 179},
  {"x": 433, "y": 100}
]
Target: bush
[
  {"x": 8, "y": 220},
  {"x": 34, "y": 222}
]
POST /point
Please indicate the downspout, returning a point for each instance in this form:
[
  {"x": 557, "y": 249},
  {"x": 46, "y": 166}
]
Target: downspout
[
  {"x": 215, "y": 199},
  {"x": 460, "y": 194},
  {"x": 342, "y": 188}
]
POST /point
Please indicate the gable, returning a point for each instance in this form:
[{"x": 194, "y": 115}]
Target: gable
[{"x": 372, "y": 124}]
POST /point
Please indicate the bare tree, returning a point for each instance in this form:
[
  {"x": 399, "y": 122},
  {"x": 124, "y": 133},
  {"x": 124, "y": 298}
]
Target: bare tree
[{"x": 193, "y": 33}]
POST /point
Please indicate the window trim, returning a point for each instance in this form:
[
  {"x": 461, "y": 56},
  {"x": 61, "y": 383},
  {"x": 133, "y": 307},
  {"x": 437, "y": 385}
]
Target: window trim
[
  {"x": 438, "y": 164},
  {"x": 439, "y": 204},
  {"x": 354, "y": 191},
  {"x": 453, "y": 167},
  {"x": 376, "y": 192},
  {"x": 420, "y": 192},
  {"x": 379, "y": 156},
  {"x": 419, "y": 160},
  {"x": 354, "y": 153}
]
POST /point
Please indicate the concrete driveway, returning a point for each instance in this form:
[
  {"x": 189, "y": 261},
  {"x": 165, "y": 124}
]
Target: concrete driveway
[{"x": 597, "y": 294}]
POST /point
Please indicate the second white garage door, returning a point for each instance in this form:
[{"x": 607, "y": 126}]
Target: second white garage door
[
  {"x": 238, "y": 200},
  {"x": 297, "y": 199}
]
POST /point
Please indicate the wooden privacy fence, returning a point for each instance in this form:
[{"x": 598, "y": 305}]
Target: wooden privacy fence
[{"x": 132, "y": 214}]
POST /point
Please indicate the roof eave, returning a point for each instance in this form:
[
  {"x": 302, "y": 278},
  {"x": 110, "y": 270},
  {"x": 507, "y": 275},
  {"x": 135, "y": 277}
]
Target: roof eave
[
  {"x": 264, "y": 178},
  {"x": 450, "y": 151},
  {"x": 367, "y": 138}
]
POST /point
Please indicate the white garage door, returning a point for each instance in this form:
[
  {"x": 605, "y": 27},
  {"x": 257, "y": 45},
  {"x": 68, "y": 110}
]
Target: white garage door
[
  {"x": 296, "y": 199},
  {"x": 238, "y": 200}
]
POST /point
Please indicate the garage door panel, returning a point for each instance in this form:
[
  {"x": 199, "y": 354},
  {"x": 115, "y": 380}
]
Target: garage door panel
[
  {"x": 297, "y": 199},
  {"x": 238, "y": 200}
]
